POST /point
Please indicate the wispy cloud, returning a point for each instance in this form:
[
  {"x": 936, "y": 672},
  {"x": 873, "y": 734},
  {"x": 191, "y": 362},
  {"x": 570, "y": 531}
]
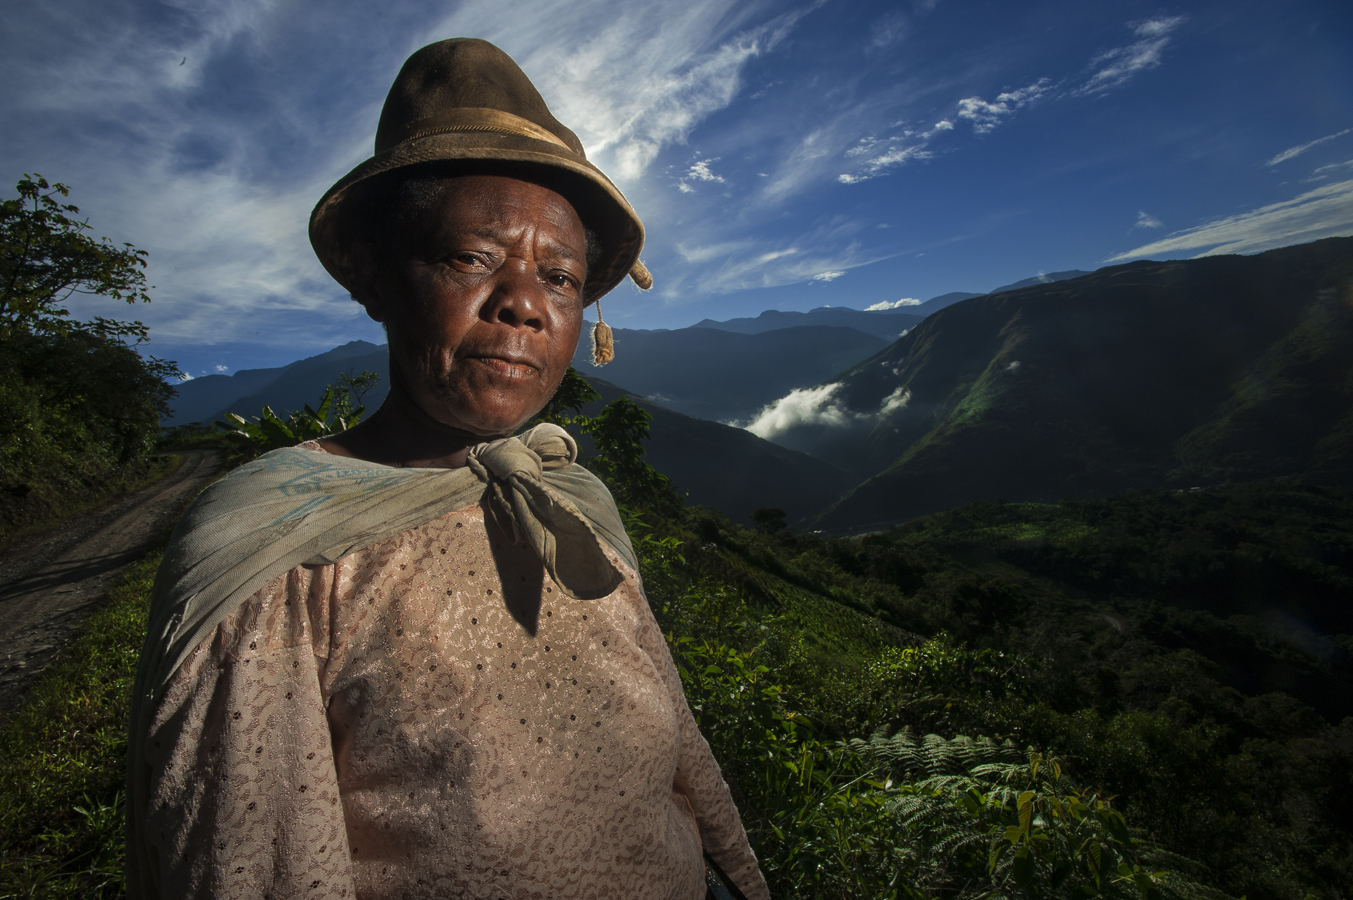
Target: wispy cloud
[
  {"x": 1146, "y": 220},
  {"x": 1327, "y": 170},
  {"x": 1290, "y": 152},
  {"x": 820, "y": 255},
  {"x": 1324, "y": 212},
  {"x": 644, "y": 79},
  {"x": 1105, "y": 71},
  {"x": 220, "y": 197},
  {"x": 888, "y": 30},
  {"x": 892, "y": 304},
  {"x": 877, "y": 156},
  {"x": 823, "y": 407},
  {"x": 1118, "y": 66},
  {"x": 699, "y": 171},
  {"x": 985, "y": 116}
]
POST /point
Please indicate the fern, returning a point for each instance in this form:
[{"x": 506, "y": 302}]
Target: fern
[{"x": 974, "y": 818}]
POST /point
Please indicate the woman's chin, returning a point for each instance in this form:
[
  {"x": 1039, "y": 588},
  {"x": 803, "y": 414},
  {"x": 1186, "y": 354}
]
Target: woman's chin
[{"x": 488, "y": 423}]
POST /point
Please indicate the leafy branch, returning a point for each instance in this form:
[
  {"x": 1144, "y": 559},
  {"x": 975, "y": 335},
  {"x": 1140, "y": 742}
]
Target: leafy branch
[{"x": 47, "y": 257}]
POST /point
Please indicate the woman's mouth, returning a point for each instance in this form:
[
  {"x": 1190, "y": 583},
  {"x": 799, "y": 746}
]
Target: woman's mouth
[{"x": 508, "y": 367}]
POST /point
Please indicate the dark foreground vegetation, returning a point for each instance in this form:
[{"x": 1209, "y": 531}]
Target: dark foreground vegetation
[
  {"x": 1185, "y": 654},
  {"x": 1142, "y": 696}
]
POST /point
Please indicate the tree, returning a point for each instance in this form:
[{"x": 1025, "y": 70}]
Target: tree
[
  {"x": 769, "y": 520},
  {"x": 617, "y": 434},
  {"x": 566, "y": 406},
  {"x": 47, "y": 256},
  {"x": 80, "y": 408}
]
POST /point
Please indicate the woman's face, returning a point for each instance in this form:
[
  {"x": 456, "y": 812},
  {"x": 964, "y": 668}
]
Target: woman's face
[{"x": 482, "y": 301}]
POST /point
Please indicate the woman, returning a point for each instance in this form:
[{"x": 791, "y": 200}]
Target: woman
[{"x": 414, "y": 659}]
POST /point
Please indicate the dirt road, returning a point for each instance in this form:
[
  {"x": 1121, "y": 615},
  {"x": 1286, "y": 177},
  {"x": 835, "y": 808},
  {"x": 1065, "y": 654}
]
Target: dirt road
[{"x": 50, "y": 583}]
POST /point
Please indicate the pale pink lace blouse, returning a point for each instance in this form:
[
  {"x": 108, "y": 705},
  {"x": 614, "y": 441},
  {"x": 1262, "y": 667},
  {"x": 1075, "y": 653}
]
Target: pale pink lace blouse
[{"x": 431, "y": 717}]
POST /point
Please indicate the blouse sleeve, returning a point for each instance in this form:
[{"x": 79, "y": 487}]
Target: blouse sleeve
[
  {"x": 243, "y": 793},
  {"x": 700, "y": 779}
]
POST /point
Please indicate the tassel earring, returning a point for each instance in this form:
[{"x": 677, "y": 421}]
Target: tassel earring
[
  {"x": 640, "y": 275},
  {"x": 603, "y": 344}
]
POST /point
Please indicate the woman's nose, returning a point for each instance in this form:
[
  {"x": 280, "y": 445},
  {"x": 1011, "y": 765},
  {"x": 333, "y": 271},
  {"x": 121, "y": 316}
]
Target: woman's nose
[{"x": 518, "y": 296}]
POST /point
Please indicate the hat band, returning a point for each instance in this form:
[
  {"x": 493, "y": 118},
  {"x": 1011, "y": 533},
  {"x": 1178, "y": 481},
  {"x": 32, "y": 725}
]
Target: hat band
[{"x": 469, "y": 118}]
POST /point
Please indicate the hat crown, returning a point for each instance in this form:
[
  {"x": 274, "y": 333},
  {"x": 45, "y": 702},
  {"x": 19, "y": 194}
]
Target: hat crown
[{"x": 448, "y": 82}]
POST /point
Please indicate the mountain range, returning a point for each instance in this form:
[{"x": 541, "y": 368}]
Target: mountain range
[
  {"x": 1066, "y": 385},
  {"x": 1145, "y": 375},
  {"x": 690, "y": 371}
]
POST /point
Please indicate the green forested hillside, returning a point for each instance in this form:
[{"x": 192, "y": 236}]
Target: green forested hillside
[{"x": 1145, "y": 375}]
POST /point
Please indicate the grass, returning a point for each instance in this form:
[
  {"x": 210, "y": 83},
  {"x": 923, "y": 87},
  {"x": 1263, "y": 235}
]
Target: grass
[{"x": 62, "y": 757}]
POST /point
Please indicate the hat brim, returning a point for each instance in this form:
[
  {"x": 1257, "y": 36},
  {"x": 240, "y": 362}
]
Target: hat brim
[{"x": 598, "y": 202}]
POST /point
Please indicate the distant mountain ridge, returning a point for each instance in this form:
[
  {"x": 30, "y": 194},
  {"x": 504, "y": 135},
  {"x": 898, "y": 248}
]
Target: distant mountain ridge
[
  {"x": 888, "y": 324},
  {"x": 287, "y": 388},
  {"x": 1136, "y": 376},
  {"x": 723, "y": 375},
  {"x": 882, "y": 323}
]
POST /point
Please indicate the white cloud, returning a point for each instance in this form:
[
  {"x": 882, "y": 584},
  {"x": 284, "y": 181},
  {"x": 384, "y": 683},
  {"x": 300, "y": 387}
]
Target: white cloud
[
  {"x": 1118, "y": 66},
  {"x": 1108, "y": 70},
  {"x": 829, "y": 276},
  {"x": 699, "y": 171},
  {"x": 804, "y": 406},
  {"x": 222, "y": 369},
  {"x": 184, "y": 377},
  {"x": 1328, "y": 170},
  {"x": 820, "y": 406},
  {"x": 898, "y": 399},
  {"x": 740, "y": 265},
  {"x": 1146, "y": 220},
  {"x": 893, "y": 304},
  {"x": 1324, "y": 212},
  {"x": 892, "y": 152},
  {"x": 985, "y": 116},
  {"x": 707, "y": 252},
  {"x": 1298, "y": 150}
]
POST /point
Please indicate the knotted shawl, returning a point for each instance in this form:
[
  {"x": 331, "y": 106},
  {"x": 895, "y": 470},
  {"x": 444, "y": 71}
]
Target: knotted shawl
[{"x": 292, "y": 507}]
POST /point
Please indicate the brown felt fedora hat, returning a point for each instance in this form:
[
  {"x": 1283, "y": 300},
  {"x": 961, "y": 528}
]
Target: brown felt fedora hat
[{"x": 465, "y": 100}]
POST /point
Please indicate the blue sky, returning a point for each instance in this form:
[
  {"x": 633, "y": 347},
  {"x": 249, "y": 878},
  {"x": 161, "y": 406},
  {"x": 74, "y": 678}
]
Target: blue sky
[{"x": 782, "y": 155}]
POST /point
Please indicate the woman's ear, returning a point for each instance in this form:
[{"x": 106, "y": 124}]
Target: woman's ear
[{"x": 366, "y": 286}]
